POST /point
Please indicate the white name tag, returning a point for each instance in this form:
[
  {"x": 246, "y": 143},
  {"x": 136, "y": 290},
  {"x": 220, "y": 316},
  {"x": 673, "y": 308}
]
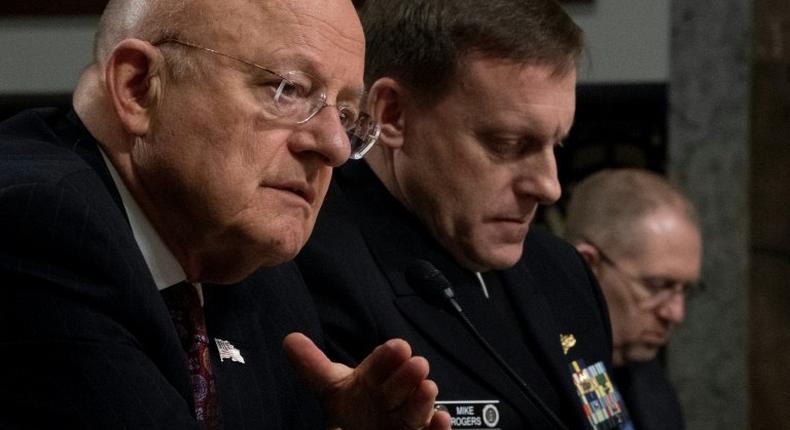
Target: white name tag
[{"x": 471, "y": 414}]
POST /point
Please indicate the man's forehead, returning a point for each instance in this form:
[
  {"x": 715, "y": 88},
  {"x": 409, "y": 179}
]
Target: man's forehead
[
  {"x": 669, "y": 243},
  {"x": 514, "y": 91},
  {"x": 277, "y": 28},
  {"x": 263, "y": 17}
]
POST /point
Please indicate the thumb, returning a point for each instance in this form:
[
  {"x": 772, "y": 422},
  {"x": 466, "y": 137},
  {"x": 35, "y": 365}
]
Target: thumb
[{"x": 320, "y": 373}]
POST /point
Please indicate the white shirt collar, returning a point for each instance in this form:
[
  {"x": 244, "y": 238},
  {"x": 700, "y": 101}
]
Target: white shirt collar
[{"x": 163, "y": 265}]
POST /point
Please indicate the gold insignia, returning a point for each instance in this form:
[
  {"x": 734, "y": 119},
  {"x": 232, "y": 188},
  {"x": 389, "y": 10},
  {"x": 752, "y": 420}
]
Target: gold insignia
[{"x": 568, "y": 342}]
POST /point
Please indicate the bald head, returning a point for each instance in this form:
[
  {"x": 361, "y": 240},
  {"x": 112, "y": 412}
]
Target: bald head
[
  {"x": 204, "y": 149},
  {"x": 147, "y": 20},
  {"x": 609, "y": 207}
]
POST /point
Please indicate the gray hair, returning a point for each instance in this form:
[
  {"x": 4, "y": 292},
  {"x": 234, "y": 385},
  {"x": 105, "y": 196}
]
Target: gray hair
[
  {"x": 609, "y": 206},
  {"x": 149, "y": 20}
]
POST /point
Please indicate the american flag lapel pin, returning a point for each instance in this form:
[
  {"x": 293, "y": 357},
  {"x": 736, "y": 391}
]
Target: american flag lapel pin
[{"x": 228, "y": 351}]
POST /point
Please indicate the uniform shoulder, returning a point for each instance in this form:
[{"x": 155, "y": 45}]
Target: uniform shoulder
[
  {"x": 556, "y": 263},
  {"x": 540, "y": 240}
]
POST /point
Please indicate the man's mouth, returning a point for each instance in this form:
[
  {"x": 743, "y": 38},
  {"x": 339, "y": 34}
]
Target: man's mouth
[{"x": 301, "y": 189}]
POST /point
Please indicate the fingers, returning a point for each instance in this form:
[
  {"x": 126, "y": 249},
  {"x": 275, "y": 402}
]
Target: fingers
[
  {"x": 389, "y": 388},
  {"x": 408, "y": 395},
  {"x": 386, "y": 359},
  {"x": 397, "y": 388},
  {"x": 416, "y": 411},
  {"x": 312, "y": 365},
  {"x": 440, "y": 421}
]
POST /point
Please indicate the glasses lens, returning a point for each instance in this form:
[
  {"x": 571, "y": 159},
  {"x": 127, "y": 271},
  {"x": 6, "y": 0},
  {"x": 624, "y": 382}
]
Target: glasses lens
[
  {"x": 669, "y": 289},
  {"x": 363, "y": 135},
  {"x": 294, "y": 98},
  {"x": 659, "y": 298},
  {"x": 348, "y": 118},
  {"x": 288, "y": 96}
]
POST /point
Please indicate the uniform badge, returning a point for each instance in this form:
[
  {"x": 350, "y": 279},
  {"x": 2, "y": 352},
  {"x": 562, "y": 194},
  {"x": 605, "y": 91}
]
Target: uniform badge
[
  {"x": 228, "y": 351},
  {"x": 471, "y": 414},
  {"x": 567, "y": 341},
  {"x": 601, "y": 403}
]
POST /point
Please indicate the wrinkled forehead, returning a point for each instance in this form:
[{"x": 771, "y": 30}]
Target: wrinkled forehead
[{"x": 307, "y": 33}]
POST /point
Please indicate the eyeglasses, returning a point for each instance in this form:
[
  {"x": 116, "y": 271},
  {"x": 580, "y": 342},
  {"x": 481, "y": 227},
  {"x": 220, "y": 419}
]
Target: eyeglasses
[
  {"x": 297, "y": 97},
  {"x": 654, "y": 291}
]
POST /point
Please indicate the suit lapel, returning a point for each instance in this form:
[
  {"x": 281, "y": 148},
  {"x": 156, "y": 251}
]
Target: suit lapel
[
  {"x": 539, "y": 324},
  {"x": 171, "y": 358},
  {"x": 449, "y": 336},
  {"x": 233, "y": 324}
]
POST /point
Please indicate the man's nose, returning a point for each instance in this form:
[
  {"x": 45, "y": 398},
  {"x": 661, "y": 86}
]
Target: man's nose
[
  {"x": 674, "y": 308},
  {"x": 324, "y": 134},
  {"x": 538, "y": 176}
]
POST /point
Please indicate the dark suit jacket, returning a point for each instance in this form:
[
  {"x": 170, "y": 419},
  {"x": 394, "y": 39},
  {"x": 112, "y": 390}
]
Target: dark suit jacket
[
  {"x": 354, "y": 265},
  {"x": 85, "y": 338},
  {"x": 649, "y": 396}
]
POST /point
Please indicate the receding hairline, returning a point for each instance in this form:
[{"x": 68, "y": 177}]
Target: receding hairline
[
  {"x": 611, "y": 207},
  {"x": 149, "y": 20},
  {"x": 154, "y": 20}
]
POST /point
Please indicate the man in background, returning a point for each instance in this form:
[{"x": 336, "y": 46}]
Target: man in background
[
  {"x": 135, "y": 227},
  {"x": 642, "y": 240},
  {"x": 473, "y": 97}
]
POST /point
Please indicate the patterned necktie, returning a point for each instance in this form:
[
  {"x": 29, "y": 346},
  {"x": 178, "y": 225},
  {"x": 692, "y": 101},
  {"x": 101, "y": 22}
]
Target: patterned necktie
[{"x": 184, "y": 304}]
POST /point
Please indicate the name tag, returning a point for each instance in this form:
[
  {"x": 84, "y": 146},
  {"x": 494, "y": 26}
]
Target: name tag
[{"x": 471, "y": 414}]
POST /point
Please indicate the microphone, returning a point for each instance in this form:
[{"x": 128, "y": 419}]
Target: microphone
[
  {"x": 431, "y": 283},
  {"x": 428, "y": 280}
]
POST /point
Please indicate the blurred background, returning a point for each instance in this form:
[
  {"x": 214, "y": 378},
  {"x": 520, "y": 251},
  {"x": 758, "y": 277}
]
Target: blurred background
[{"x": 697, "y": 90}]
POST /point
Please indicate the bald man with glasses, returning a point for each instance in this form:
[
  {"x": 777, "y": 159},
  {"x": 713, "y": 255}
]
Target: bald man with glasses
[
  {"x": 641, "y": 238},
  {"x": 146, "y": 233}
]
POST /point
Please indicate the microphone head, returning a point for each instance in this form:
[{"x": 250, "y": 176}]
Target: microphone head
[{"x": 427, "y": 280}]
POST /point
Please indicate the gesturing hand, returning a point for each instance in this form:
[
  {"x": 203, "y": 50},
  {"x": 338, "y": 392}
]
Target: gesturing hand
[{"x": 389, "y": 390}]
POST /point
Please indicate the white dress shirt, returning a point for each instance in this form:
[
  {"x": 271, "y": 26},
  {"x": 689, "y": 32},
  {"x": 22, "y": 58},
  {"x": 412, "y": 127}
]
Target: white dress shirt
[{"x": 163, "y": 265}]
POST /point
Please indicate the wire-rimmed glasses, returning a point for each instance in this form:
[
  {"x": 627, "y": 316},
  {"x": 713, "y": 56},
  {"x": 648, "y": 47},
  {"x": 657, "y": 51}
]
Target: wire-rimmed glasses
[
  {"x": 298, "y": 97},
  {"x": 654, "y": 291}
]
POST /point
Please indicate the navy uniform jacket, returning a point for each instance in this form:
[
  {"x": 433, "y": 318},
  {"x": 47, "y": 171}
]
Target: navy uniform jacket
[
  {"x": 354, "y": 265},
  {"x": 649, "y": 396},
  {"x": 85, "y": 338}
]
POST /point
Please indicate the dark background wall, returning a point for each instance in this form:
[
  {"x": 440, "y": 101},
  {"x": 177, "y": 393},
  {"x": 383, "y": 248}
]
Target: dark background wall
[{"x": 769, "y": 295}]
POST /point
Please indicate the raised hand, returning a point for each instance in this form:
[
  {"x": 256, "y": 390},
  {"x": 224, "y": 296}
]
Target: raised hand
[{"x": 389, "y": 390}]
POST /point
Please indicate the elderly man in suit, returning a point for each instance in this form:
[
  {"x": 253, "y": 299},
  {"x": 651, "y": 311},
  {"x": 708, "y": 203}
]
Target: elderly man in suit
[{"x": 135, "y": 227}]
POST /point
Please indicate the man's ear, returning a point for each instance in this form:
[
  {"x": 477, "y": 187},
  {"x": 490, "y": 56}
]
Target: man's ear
[
  {"x": 133, "y": 76},
  {"x": 591, "y": 256},
  {"x": 386, "y": 100}
]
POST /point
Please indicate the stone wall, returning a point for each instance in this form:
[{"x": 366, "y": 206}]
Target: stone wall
[{"x": 708, "y": 145}]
